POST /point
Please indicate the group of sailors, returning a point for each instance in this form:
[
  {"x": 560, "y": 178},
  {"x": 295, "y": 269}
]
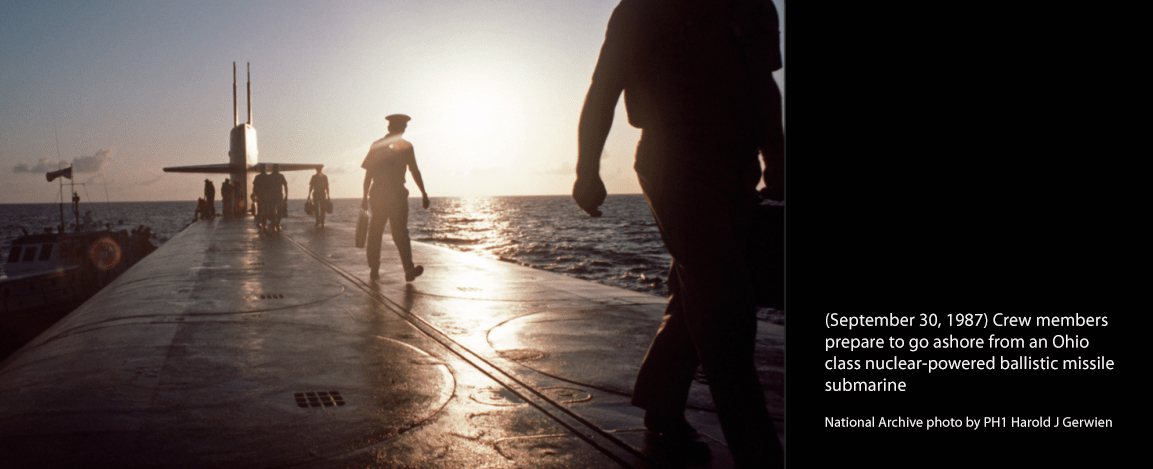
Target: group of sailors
[{"x": 269, "y": 198}]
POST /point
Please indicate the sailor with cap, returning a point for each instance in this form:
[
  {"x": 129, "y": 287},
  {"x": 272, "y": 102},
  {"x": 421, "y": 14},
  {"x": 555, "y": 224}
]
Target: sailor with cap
[
  {"x": 385, "y": 165},
  {"x": 226, "y": 199},
  {"x": 210, "y": 198}
]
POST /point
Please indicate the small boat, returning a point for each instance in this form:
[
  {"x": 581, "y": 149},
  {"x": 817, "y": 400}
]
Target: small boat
[{"x": 49, "y": 274}]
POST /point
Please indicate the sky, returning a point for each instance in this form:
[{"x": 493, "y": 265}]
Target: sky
[{"x": 122, "y": 89}]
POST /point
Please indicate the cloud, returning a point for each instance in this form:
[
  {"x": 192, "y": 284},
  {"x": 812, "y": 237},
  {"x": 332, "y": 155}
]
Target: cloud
[
  {"x": 150, "y": 181},
  {"x": 82, "y": 164},
  {"x": 486, "y": 171},
  {"x": 43, "y": 166},
  {"x": 92, "y": 164},
  {"x": 342, "y": 168},
  {"x": 566, "y": 168}
]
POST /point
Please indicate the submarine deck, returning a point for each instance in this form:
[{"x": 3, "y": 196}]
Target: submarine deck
[{"x": 231, "y": 348}]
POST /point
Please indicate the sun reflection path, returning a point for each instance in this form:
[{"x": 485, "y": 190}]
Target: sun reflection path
[
  {"x": 476, "y": 224},
  {"x": 552, "y": 234}
]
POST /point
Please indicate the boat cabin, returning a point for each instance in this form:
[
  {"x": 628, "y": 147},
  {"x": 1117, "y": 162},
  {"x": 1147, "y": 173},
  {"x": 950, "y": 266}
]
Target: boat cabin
[{"x": 42, "y": 253}]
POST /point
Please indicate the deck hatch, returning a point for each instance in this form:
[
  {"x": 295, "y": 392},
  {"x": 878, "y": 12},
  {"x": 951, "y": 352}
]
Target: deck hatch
[{"x": 319, "y": 399}]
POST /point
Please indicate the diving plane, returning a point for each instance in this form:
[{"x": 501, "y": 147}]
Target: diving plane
[{"x": 242, "y": 152}]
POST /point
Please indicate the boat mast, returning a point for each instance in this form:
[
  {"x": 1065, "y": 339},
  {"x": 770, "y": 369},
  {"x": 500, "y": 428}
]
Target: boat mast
[
  {"x": 56, "y": 133},
  {"x": 75, "y": 202},
  {"x": 61, "y": 230}
]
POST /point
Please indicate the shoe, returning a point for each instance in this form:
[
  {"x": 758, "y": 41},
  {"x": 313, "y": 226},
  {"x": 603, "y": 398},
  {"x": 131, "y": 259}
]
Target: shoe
[
  {"x": 669, "y": 427},
  {"x": 414, "y": 273},
  {"x": 675, "y": 451},
  {"x": 375, "y": 274}
]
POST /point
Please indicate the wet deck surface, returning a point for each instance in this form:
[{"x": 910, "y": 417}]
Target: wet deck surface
[{"x": 231, "y": 348}]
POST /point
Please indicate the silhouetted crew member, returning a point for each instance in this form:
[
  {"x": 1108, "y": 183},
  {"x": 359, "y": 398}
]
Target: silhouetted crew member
[
  {"x": 201, "y": 210},
  {"x": 318, "y": 191},
  {"x": 277, "y": 193},
  {"x": 697, "y": 78},
  {"x": 239, "y": 207},
  {"x": 89, "y": 222},
  {"x": 385, "y": 165},
  {"x": 260, "y": 189},
  {"x": 210, "y": 198},
  {"x": 226, "y": 199}
]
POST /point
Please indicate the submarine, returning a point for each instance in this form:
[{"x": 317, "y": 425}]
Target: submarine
[
  {"x": 243, "y": 154},
  {"x": 232, "y": 347}
]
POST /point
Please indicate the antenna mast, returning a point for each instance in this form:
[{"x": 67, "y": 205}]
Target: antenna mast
[
  {"x": 56, "y": 132},
  {"x": 235, "y": 113},
  {"x": 249, "y": 64}
]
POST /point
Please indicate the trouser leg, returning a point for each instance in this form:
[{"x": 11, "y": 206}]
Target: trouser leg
[
  {"x": 380, "y": 217},
  {"x": 667, "y": 371},
  {"x": 398, "y": 216},
  {"x": 720, "y": 317},
  {"x": 704, "y": 215},
  {"x": 724, "y": 333},
  {"x": 274, "y": 212}
]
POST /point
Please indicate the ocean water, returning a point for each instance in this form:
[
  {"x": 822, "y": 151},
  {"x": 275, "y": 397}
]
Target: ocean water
[{"x": 622, "y": 248}]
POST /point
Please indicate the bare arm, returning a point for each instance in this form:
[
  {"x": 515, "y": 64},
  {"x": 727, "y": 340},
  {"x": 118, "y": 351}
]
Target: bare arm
[
  {"x": 418, "y": 180},
  {"x": 595, "y": 122},
  {"x": 774, "y": 173},
  {"x": 773, "y": 146},
  {"x": 367, "y": 185},
  {"x": 614, "y": 68}
]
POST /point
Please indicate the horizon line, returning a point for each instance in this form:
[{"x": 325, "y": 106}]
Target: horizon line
[{"x": 293, "y": 198}]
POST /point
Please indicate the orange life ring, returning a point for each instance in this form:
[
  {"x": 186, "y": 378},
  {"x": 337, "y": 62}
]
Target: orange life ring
[{"x": 105, "y": 253}]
